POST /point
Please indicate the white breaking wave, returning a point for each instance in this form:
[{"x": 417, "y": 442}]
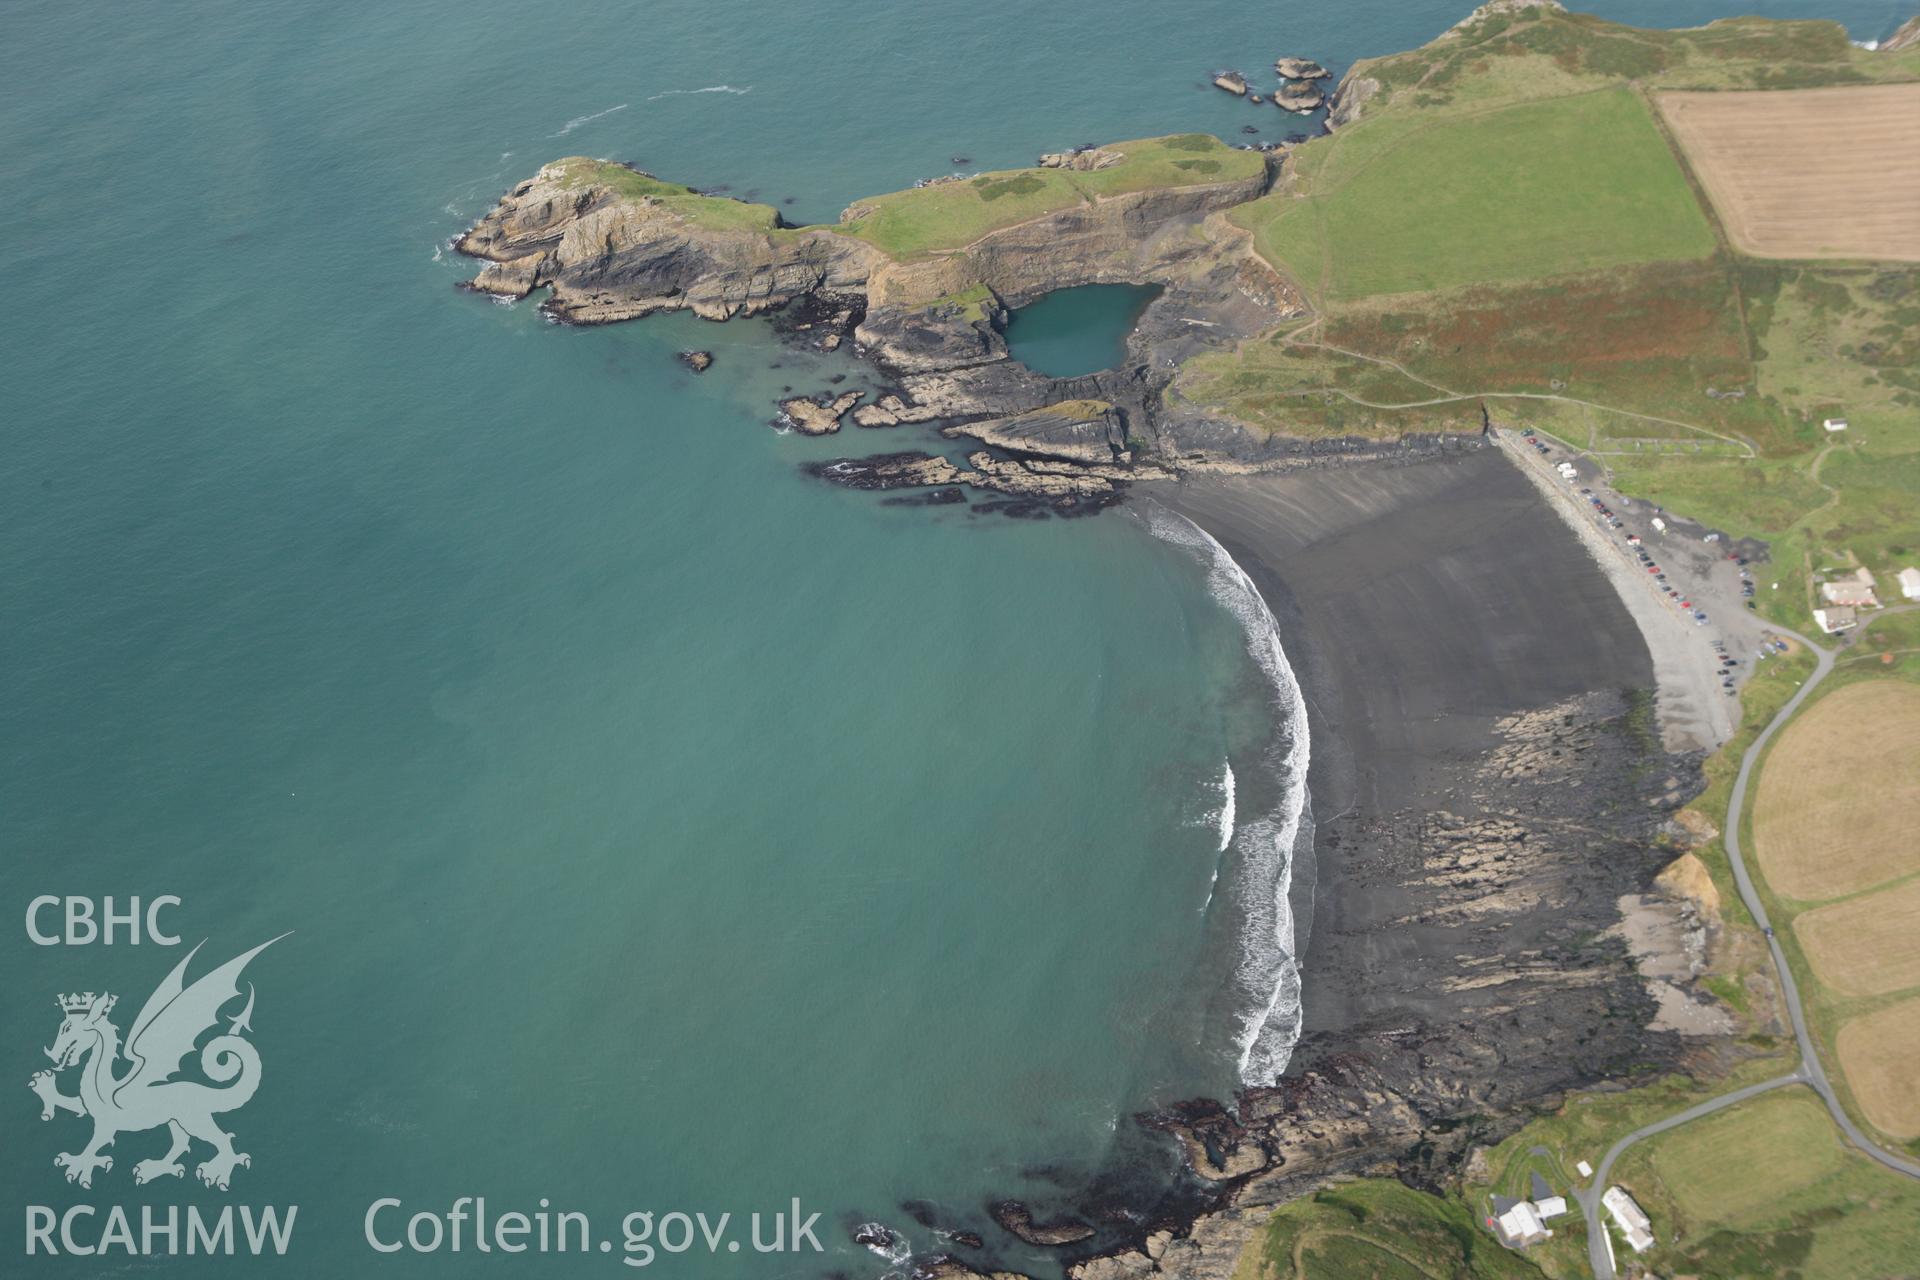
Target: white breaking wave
[
  {"x": 1223, "y": 820},
  {"x": 897, "y": 1250},
  {"x": 1269, "y": 971},
  {"x": 1226, "y": 808},
  {"x": 577, "y": 121},
  {"x": 712, "y": 88}
]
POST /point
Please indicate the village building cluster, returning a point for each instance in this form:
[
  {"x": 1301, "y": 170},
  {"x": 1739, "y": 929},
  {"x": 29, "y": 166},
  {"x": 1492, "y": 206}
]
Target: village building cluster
[
  {"x": 1520, "y": 1223},
  {"x": 1844, "y": 595}
]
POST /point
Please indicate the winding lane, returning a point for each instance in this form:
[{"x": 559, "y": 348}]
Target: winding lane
[{"x": 1810, "y": 1072}]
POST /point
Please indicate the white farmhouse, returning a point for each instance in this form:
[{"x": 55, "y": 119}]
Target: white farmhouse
[
  {"x": 1854, "y": 589},
  {"x": 1836, "y": 618},
  {"x": 1630, "y": 1217},
  {"x": 1909, "y": 579},
  {"x": 1519, "y": 1226}
]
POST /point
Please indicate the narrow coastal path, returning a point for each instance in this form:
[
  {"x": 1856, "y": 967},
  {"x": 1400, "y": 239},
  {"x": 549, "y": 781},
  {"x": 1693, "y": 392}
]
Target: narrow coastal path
[
  {"x": 1449, "y": 396},
  {"x": 1810, "y": 1072}
]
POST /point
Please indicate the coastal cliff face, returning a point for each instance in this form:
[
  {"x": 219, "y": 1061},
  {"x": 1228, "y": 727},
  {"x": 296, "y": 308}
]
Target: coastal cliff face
[
  {"x": 611, "y": 243},
  {"x": 610, "y": 255}
]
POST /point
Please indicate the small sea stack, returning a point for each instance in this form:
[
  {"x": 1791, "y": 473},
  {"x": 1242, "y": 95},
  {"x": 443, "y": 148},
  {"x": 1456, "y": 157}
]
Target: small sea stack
[
  {"x": 1301, "y": 97},
  {"x": 698, "y": 361},
  {"x": 1232, "y": 81},
  {"x": 1300, "y": 69}
]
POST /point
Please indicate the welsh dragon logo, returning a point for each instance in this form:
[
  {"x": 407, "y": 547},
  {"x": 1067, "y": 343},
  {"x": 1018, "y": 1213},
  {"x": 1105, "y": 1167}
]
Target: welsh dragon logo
[{"x": 146, "y": 1095}]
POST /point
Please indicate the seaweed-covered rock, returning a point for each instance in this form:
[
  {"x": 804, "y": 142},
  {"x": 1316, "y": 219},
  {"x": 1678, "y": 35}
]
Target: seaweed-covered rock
[{"x": 1016, "y": 1218}]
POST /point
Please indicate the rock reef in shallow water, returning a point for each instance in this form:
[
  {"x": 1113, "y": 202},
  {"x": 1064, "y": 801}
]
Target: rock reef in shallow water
[
  {"x": 1016, "y": 1218},
  {"x": 1084, "y": 431},
  {"x": 812, "y": 417}
]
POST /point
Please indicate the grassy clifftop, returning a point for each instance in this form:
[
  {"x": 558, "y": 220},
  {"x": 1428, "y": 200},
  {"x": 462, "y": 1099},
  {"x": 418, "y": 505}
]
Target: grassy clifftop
[
  {"x": 951, "y": 215},
  {"x": 716, "y": 212},
  {"x": 1544, "y": 51}
]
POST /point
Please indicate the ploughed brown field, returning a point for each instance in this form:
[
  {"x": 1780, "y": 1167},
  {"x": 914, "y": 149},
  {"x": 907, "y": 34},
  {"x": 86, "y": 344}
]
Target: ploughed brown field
[
  {"x": 1808, "y": 173},
  {"x": 1833, "y": 814}
]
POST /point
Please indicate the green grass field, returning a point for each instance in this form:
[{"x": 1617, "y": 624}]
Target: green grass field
[
  {"x": 1378, "y": 1230},
  {"x": 951, "y": 215},
  {"x": 1535, "y": 189},
  {"x": 1767, "y": 1189}
]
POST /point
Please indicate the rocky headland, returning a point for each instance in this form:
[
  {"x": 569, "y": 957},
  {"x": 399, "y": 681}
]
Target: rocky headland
[{"x": 609, "y": 243}]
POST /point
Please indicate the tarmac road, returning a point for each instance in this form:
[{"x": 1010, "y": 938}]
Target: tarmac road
[{"x": 1810, "y": 1072}]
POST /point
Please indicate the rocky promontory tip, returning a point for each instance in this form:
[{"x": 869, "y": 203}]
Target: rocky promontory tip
[{"x": 611, "y": 242}]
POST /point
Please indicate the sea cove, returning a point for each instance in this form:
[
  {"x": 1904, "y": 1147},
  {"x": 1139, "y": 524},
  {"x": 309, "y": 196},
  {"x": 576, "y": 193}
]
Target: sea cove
[{"x": 1076, "y": 331}]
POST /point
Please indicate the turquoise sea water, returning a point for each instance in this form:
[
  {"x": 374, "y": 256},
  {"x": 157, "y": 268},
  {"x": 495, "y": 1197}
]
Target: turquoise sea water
[
  {"x": 1074, "y": 331},
  {"x": 659, "y": 828}
]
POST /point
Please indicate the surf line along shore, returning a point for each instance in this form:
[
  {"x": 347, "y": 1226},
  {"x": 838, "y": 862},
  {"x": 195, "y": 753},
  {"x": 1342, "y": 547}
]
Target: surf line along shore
[{"x": 1481, "y": 709}]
